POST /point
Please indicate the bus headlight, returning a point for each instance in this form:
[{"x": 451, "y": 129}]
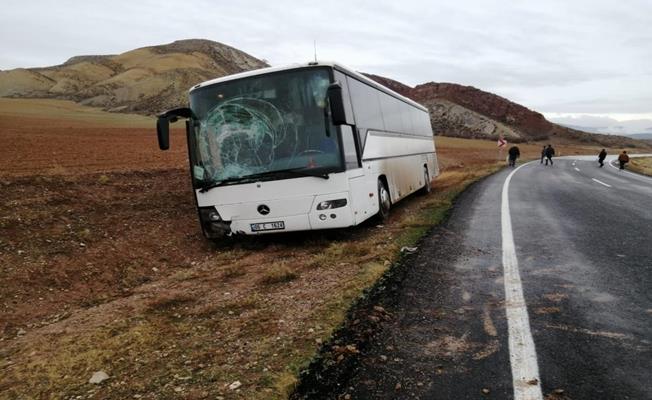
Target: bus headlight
[
  {"x": 209, "y": 214},
  {"x": 330, "y": 204}
]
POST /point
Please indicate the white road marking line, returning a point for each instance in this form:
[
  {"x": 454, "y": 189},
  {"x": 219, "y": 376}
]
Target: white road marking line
[
  {"x": 522, "y": 354},
  {"x": 577, "y": 169},
  {"x": 611, "y": 165},
  {"x": 600, "y": 182}
]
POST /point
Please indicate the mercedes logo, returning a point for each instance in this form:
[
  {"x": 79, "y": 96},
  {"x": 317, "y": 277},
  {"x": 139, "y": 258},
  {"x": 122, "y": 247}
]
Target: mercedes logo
[{"x": 263, "y": 209}]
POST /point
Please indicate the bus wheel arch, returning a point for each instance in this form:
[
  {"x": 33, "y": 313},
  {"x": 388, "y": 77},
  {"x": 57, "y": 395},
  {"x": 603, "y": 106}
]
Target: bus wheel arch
[
  {"x": 427, "y": 184},
  {"x": 384, "y": 199}
]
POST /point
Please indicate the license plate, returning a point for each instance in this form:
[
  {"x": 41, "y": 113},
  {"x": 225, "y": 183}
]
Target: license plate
[{"x": 268, "y": 226}]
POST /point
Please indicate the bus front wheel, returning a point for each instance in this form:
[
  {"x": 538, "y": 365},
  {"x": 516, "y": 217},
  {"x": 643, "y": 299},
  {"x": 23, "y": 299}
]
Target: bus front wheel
[{"x": 384, "y": 201}]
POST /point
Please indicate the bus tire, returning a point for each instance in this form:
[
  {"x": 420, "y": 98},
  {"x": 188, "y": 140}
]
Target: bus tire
[
  {"x": 427, "y": 185},
  {"x": 384, "y": 202}
]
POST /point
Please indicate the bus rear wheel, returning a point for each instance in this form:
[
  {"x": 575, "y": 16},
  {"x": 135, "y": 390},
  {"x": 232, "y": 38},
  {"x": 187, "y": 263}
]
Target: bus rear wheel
[
  {"x": 427, "y": 188},
  {"x": 384, "y": 201}
]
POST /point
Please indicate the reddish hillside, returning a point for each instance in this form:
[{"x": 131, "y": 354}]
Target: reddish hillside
[
  {"x": 450, "y": 118},
  {"x": 464, "y": 111},
  {"x": 396, "y": 86},
  {"x": 532, "y": 124}
]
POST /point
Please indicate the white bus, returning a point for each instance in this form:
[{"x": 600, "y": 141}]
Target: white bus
[{"x": 303, "y": 147}]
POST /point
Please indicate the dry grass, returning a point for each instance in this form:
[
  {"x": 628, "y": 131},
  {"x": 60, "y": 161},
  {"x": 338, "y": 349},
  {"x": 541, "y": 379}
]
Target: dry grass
[
  {"x": 641, "y": 165},
  {"x": 170, "y": 300},
  {"x": 278, "y": 273},
  {"x": 233, "y": 271}
]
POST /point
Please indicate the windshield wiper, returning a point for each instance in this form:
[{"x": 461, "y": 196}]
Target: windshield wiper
[
  {"x": 210, "y": 185},
  {"x": 295, "y": 171}
]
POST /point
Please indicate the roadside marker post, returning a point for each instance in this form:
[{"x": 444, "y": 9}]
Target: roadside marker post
[{"x": 502, "y": 143}]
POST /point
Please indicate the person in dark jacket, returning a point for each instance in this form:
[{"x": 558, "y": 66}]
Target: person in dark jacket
[
  {"x": 514, "y": 153},
  {"x": 623, "y": 159},
  {"x": 543, "y": 154},
  {"x": 601, "y": 157},
  {"x": 549, "y": 153}
]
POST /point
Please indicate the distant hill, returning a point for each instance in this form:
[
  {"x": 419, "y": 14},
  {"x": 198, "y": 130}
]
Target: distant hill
[
  {"x": 530, "y": 124},
  {"x": 465, "y": 111},
  {"x": 602, "y": 131},
  {"x": 149, "y": 80},
  {"x": 396, "y": 86},
  {"x": 606, "y": 125},
  {"x": 451, "y": 119},
  {"x": 145, "y": 80},
  {"x": 640, "y": 136}
]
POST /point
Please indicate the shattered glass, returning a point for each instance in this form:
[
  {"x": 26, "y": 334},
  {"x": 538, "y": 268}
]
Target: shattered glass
[{"x": 264, "y": 123}]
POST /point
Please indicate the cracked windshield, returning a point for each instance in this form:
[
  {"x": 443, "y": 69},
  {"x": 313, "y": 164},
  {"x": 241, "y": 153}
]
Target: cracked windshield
[{"x": 264, "y": 124}]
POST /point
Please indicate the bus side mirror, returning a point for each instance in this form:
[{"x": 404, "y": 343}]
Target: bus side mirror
[
  {"x": 336, "y": 102},
  {"x": 163, "y": 132},
  {"x": 163, "y": 125}
]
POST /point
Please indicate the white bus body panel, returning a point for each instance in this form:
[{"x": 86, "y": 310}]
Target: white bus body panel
[
  {"x": 292, "y": 201},
  {"x": 400, "y": 158}
]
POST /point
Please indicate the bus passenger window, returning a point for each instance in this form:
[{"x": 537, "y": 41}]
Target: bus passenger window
[{"x": 351, "y": 160}]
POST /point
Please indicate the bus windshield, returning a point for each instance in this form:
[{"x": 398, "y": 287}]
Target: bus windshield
[{"x": 262, "y": 124}]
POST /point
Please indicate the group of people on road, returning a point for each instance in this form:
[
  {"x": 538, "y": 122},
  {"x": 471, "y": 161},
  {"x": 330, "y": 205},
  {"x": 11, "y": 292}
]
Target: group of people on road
[
  {"x": 514, "y": 153},
  {"x": 548, "y": 152},
  {"x": 623, "y": 158}
]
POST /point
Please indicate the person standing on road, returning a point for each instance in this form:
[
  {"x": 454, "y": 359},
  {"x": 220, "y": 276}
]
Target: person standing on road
[
  {"x": 514, "y": 153},
  {"x": 543, "y": 154},
  {"x": 623, "y": 159},
  {"x": 549, "y": 152},
  {"x": 601, "y": 157}
]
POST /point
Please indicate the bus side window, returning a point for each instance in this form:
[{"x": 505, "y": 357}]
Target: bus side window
[{"x": 351, "y": 159}]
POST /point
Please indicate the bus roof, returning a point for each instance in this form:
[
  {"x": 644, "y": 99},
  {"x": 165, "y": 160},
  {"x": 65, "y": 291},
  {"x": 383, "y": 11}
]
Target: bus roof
[{"x": 339, "y": 67}]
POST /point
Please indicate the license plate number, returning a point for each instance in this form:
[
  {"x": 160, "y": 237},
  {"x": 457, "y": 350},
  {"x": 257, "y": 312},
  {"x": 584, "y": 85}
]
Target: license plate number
[{"x": 268, "y": 226}]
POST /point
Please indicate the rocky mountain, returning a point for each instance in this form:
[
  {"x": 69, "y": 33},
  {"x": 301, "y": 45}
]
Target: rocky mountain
[
  {"x": 465, "y": 111},
  {"x": 530, "y": 124},
  {"x": 146, "y": 80},
  {"x": 451, "y": 119},
  {"x": 396, "y": 86}
]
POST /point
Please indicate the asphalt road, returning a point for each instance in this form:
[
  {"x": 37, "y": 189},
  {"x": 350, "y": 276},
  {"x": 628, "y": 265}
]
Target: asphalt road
[{"x": 583, "y": 247}]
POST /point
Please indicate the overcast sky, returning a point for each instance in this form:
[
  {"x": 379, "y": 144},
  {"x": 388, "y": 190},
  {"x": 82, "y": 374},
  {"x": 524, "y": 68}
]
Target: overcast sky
[{"x": 556, "y": 57}]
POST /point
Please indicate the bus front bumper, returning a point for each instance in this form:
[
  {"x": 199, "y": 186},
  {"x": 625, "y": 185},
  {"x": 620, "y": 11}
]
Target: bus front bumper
[
  {"x": 285, "y": 215},
  {"x": 326, "y": 219}
]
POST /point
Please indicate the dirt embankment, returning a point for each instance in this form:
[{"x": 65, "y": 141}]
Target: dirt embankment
[{"x": 642, "y": 165}]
